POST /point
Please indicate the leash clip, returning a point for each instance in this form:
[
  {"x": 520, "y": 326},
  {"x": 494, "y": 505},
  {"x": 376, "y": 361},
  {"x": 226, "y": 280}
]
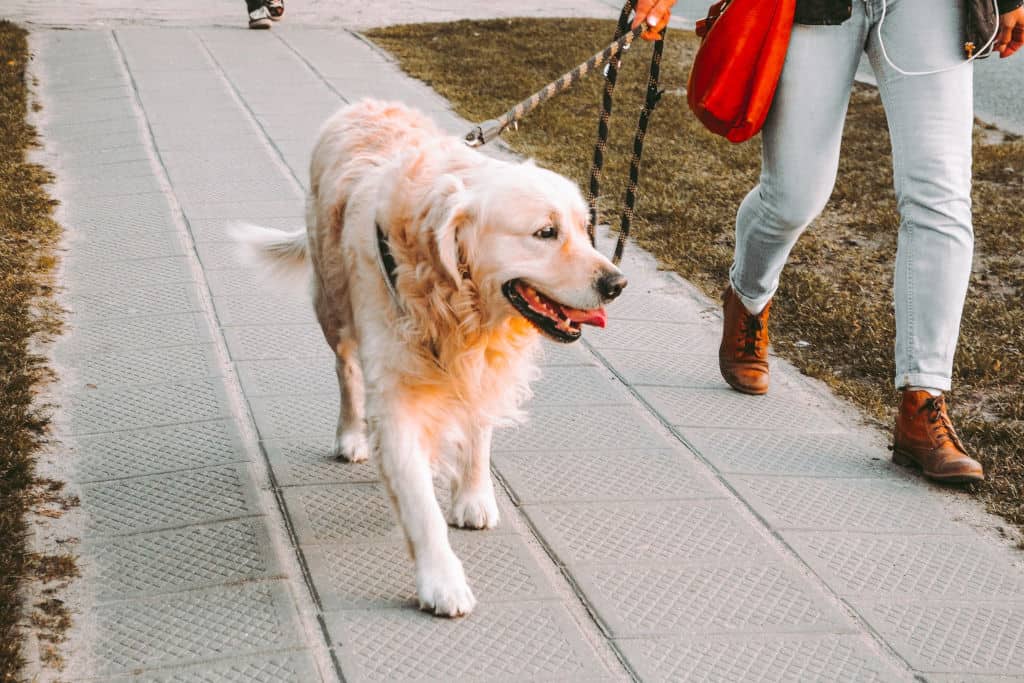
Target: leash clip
[{"x": 484, "y": 133}]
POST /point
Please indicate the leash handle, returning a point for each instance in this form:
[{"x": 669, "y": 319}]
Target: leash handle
[{"x": 492, "y": 128}]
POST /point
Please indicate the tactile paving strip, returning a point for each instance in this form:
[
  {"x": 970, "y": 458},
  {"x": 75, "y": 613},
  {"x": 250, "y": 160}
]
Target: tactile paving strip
[
  {"x": 167, "y": 500},
  {"x": 598, "y": 427},
  {"x": 958, "y": 637},
  {"x": 134, "y": 333},
  {"x": 562, "y": 476},
  {"x": 264, "y": 308},
  {"x": 269, "y": 377},
  {"x": 553, "y": 353},
  {"x": 637, "y": 304},
  {"x": 641, "y": 532},
  {"x": 151, "y": 451},
  {"x": 774, "y": 452},
  {"x": 728, "y": 409},
  {"x": 931, "y": 567},
  {"x": 341, "y": 514},
  {"x": 772, "y": 659},
  {"x": 637, "y": 600},
  {"x": 295, "y": 414},
  {"x": 157, "y": 405},
  {"x": 192, "y": 557},
  {"x": 665, "y": 369},
  {"x": 382, "y": 575},
  {"x": 508, "y": 642},
  {"x": 845, "y": 505},
  {"x": 184, "y": 627},
  {"x": 128, "y": 302},
  {"x": 153, "y": 272}
]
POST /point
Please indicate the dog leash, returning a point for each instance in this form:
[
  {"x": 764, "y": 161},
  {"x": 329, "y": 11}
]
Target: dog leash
[{"x": 624, "y": 37}]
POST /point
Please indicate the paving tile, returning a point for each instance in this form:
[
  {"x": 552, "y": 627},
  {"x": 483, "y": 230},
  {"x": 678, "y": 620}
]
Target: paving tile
[
  {"x": 221, "y": 255},
  {"x": 777, "y": 452},
  {"x": 553, "y": 353},
  {"x": 725, "y": 659},
  {"x": 217, "y": 230},
  {"x": 578, "y": 386},
  {"x": 728, "y": 409},
  {"x": 251, "y": 209},
  {"x": 668, "y": 369},
  {"x": 119, "y": 216},
  {"x": 669, "y": 531},
  {"x": 83, "y": 159},
  {"x": 598, "y": 427},
  {"x": 198, "y": 194},
  {"x": 129, "y": 302},
  {"x": 130, "y": 408},
  {"x": 953, "y": 637},
  {"x": 183, "y": 628},
  {"x": 164, "y": 501},
  {"x": 498, "y": 567},
  {"x": 663, "y": 338},
  {"x": 124, "y": 334},
  {"x": 147, "y": 366},
  {"x": 144, "y": 565},
  {"x": 271, "y": 342},
  {"x": 845, "y": 505},
  {"x": 267, "y": 308},
  {"x": 144, "y": 273},
  {"x": 580, "y": 474},
  {"x": 125, "y": 181},
  {"x": 530, "y": 641},
  {"x": 93, "y": 251},
  {"x": 640, "y": 304},
  {"x": 281, "y": 376},
  {"x": 305, "y": 460},
  {"x": 295, "y": 414},
  {"x": 282, "y": 667},
  {"x": 154, "y": 451},
  {"x": 901, "y": 566},
  {"x": 250, "y": 282},
  {"x": 765, "y": 597}
]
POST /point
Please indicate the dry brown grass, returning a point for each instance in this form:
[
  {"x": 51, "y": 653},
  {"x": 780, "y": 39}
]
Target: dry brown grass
[
  {"x": 27, "y": 314},
  {"x": 836, "y": 291}
]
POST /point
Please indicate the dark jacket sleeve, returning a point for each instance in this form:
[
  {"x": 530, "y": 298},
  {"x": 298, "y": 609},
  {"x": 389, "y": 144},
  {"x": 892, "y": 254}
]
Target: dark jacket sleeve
[{"x": 1009, "y": 5}]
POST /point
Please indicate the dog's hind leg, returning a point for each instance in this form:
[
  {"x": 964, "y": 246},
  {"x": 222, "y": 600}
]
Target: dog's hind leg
[
  {"x": 405, "y": 454},
  {"x": 350, "y": 442},
  {"x": 473, "y": 502}
]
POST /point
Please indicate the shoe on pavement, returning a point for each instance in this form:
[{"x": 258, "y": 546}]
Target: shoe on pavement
[
  {"x": 743, "y": 354},
  {"x": 260, "y": 18},
  {"x": 276, "y": 9},
  {"x": 924, "y": 438}
]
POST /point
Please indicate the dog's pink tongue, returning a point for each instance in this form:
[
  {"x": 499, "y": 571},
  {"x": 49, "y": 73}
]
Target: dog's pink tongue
[{"x": 595, "y": 316}]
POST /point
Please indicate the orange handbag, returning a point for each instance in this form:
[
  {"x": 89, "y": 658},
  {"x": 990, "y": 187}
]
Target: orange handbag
[{"x": 738, "y": 64}]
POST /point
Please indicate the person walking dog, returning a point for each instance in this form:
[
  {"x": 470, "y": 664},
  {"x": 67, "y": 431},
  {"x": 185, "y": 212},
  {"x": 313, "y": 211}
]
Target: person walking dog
[{"x": 917, "y": 51}]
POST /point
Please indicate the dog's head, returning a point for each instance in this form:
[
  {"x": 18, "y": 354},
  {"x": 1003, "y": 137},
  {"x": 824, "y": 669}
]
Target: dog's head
[{"x": 519, "y": 233}]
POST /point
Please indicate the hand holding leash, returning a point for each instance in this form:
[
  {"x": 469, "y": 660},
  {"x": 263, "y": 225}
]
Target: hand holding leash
[
  {"x": 655, "y": 15},
  {"x": 1011, "y": 33}
]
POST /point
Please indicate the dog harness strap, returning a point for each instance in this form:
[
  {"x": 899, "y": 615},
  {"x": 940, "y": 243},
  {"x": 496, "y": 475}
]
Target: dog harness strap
[{"x": 387, "y": 264}]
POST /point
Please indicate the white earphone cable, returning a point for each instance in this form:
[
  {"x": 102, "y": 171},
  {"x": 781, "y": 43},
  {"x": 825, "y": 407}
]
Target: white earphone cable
[{"x": 885, "y": 54}]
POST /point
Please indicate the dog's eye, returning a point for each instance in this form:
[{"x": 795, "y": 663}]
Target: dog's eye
[{"x": 548, "y": 232}]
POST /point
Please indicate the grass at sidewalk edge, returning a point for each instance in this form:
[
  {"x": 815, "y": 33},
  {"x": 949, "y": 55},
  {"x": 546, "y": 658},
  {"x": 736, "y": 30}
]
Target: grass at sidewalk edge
[
  {"x": 28, "y": 316},
  {"x": 836, "y": 293}
]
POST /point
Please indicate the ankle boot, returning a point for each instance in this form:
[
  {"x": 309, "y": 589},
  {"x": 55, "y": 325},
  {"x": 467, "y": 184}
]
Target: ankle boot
[
  {"x": 925, "y": 438},
  {"x": 743, "y": 354}
]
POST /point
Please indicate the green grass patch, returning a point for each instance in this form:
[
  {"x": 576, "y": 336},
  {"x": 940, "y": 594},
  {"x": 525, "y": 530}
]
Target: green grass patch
[
  {"x": 27, "y": 316},
  {"x": 836, "y": 291}
]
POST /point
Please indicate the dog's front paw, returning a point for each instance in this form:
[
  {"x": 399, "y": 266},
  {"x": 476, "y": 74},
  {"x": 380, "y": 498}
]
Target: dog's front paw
[
  {"x": 442, "y": 588},
  {"x": 474, "y": 509},
  {"x": 351, "y": 447}
]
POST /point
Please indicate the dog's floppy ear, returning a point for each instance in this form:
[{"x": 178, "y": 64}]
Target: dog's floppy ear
[{"x": 448, "y": 213}]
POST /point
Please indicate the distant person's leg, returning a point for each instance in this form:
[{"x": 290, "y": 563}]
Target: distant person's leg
[{"x": 259, "y": 15}]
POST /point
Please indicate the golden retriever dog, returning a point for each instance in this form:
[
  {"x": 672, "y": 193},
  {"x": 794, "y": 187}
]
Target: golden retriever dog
[{"x": 435, "y": 270}]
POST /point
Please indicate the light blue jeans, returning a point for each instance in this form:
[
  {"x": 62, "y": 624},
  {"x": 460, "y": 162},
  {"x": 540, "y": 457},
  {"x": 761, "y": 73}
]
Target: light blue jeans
[{"x": 930, "y": 124}]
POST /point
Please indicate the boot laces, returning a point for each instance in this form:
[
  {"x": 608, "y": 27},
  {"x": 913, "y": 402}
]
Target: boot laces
[
  {"x": 942, "y": 426},
  {"x": 751, "y": 337}
]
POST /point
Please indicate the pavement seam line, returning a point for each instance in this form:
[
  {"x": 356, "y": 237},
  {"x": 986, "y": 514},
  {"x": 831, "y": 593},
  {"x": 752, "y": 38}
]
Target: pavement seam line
[
  {"x": 849, "y": 609},
  {"x": 241, "y": 413}
]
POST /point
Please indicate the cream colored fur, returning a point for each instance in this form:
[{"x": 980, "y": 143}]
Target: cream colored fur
[{"x": 426, "y": 378}]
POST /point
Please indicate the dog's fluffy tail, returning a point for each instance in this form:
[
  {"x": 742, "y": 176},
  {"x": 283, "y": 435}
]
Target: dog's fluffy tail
[{"x": 275, "y": 251}]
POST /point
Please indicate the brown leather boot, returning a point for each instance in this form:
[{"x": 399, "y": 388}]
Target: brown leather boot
[
  {"x": 743, "y": 355},
  {"x": 925, "y": 438}
]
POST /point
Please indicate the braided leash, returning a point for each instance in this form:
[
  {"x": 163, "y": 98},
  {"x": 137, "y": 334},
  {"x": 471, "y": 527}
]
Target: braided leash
[{"x": 624, "y": 37}]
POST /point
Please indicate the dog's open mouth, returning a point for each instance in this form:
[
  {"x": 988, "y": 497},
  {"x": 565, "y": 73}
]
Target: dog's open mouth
[{"x": 558, "y": 321}]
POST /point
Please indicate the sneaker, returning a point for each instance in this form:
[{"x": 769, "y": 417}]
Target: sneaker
[
  {"x": 260, "y": 18},
  {"x": 276, "y": 9}
]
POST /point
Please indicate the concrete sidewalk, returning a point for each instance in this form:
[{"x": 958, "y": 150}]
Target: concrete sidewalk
[{"x": 656, "y": 525}]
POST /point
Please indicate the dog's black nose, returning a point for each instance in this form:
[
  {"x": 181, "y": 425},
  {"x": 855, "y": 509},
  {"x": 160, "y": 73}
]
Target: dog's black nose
[{"x": 610, "y": 285}]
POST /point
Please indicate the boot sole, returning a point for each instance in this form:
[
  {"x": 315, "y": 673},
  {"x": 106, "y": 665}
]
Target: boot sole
[
  {"x": 746, "y": 390},
  {"x": 902, "y": 459}
]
